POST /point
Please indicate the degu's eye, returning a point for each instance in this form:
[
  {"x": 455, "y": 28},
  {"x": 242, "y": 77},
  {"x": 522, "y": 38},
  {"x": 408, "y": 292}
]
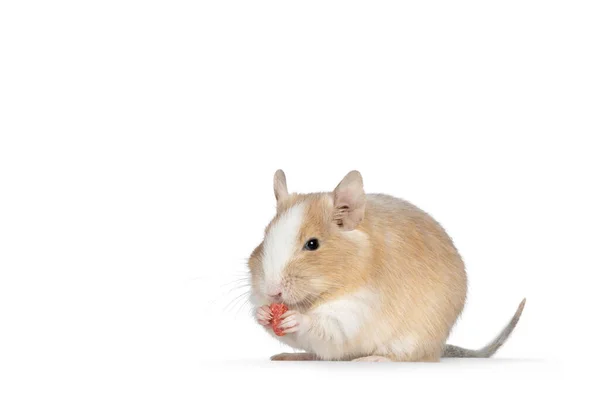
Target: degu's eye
[{"x": 312, "y": 244}]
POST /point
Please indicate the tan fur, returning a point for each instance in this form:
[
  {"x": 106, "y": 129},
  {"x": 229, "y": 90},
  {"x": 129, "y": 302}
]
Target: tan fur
[{"x": 390, "y": 248}]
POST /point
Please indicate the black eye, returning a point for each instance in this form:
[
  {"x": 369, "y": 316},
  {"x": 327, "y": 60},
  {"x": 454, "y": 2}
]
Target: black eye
[{"x": 312, "y": 244}]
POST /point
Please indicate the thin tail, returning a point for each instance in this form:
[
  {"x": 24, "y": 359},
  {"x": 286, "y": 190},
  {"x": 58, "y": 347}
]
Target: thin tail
[{"x": 452, "y": 351}]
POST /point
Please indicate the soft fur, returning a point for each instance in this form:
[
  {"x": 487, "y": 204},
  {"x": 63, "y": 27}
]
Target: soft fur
[{"x": 385, "y": 284}]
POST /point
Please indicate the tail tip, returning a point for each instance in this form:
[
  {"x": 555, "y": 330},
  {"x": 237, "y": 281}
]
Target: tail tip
[
  {"x": 522, "y": 305},
  {"x": 519, "y": 310}
]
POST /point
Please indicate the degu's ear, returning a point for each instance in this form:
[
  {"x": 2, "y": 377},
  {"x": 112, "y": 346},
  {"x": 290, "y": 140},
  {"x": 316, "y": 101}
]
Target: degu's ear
[
  {"x": 280, "y": 186},
  {"x": 349, "y": 201}
]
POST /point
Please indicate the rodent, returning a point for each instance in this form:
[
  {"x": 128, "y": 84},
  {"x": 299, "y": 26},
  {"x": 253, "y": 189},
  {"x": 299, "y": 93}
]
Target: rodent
[{"x": 366, "y": 277}]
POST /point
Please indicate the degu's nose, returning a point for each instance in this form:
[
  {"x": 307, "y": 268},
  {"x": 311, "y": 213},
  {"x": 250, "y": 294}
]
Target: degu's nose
[
  {"x": 274, "y": 292},
  {"x": 275, "y": 295}
]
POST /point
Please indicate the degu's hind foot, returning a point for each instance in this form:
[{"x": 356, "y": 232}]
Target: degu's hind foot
[
  {"x": 294, "y": 357},
  {"x": 374, "y": 359},
  {"x": 392, "y": 358}
]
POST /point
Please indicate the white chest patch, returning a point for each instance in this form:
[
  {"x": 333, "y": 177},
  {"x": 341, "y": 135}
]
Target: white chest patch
[
  {"x": 281, "y": 242},
  {"x": 349, "y": 312}
]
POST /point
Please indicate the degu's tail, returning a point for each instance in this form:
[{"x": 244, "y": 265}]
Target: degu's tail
[{"x": 452, "y": 351}]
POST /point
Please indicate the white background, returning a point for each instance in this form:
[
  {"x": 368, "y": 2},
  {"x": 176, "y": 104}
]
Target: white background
[{"x": 138, "y": 140}]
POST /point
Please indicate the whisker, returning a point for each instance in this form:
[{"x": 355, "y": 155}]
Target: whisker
[
  {"x": 237, "y": 298},
  {"x": 244, "y": 304}
]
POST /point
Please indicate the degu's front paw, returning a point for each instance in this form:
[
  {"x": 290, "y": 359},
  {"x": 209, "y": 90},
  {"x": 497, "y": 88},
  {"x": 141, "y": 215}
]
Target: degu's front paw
[
  {"x": 263, "y": 315},
  {"x": 294, "y": 322}
]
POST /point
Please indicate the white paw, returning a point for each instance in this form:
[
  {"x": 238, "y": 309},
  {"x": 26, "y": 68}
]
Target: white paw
[
  {"x": 263, "y": 315},
  {"x": 373, "y": 359},
  {"x": 292, "y": 321}
]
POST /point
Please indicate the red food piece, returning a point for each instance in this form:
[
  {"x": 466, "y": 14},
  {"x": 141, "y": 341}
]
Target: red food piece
[{"x": 277, "y": 310}]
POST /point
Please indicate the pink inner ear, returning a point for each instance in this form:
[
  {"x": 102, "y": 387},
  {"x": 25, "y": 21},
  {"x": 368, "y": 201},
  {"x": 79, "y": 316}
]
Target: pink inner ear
[
  {"x": 349, "y": 206},
  {"x": 348, "y": 198}
]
